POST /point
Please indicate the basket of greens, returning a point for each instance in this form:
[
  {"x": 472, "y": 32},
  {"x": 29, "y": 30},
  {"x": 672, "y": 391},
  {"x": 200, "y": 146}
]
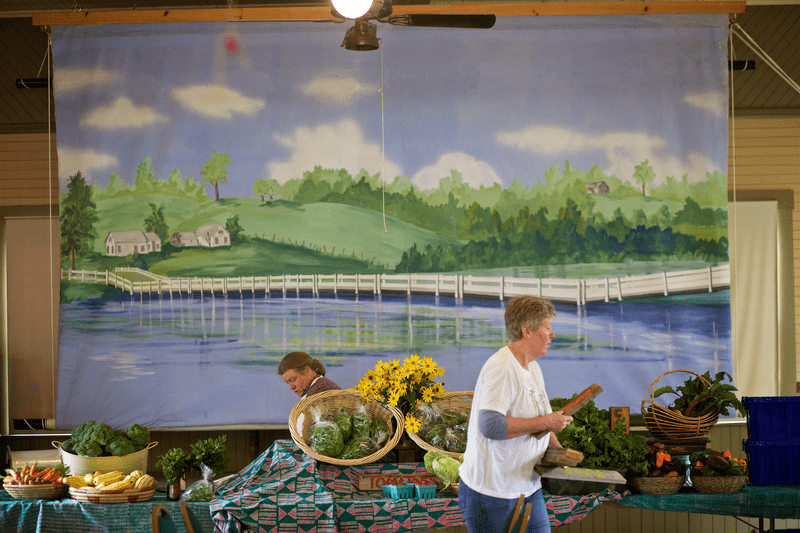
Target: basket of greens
[{"x": 343, "y": 427}]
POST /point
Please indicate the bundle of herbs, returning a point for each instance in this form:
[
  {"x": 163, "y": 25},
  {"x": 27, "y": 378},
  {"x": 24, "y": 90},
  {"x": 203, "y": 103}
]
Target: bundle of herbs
[{"x": 602, "y": 447}]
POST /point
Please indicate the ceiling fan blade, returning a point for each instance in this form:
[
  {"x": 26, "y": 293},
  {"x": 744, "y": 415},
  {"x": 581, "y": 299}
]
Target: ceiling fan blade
[{"x": 443, "y": 20}]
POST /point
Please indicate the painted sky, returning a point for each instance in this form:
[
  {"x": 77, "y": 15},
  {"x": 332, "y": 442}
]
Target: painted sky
[{"x": 499, "y": 104}]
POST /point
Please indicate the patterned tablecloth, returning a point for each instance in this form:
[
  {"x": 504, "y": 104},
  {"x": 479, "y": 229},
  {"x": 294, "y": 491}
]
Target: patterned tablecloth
[
  {"x": 282, "y": 491},
  {"x": 286, "y": 491}
]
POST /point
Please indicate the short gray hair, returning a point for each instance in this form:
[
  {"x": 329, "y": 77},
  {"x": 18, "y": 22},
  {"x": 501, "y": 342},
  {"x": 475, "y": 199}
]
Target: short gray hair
[{"x": 527, "y": 311}]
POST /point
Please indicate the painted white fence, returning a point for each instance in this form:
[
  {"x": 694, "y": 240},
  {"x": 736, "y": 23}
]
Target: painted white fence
[{"x": 576, "y": 291}]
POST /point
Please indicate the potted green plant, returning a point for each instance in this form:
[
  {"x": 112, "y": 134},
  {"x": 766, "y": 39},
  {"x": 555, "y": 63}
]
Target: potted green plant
[{"x": 175, "y": 464}]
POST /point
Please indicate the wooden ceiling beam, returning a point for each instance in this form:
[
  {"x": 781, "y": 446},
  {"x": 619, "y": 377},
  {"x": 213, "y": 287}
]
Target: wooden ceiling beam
[{"x": 320, "y": 13}]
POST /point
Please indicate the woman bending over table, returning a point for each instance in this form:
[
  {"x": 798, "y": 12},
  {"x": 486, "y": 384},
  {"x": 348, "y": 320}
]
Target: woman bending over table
[
  {"x": 509, "y": 408},
  {"x": 304, "y": 374}
]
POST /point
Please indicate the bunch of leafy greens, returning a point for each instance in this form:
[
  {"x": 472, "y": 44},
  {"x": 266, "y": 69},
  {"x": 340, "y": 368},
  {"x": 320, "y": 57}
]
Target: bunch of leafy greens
[
  {"x": 700, "y": 395},
  {"x": 590, "y": 433}
]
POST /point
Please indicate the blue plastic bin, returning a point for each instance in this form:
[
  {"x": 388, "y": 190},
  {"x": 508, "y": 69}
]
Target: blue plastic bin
[
  {"x": 773, "y": 463},
  {"x": 773, "y": 418}
]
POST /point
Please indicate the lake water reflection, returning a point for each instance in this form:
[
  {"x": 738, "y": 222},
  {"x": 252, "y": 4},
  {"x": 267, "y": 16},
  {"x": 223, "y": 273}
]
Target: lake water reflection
[{"x": 173, "y": 361}]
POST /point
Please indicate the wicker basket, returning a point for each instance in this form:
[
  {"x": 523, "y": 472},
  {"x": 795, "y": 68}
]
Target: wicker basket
[
  {"x": 301, "y": 418},
  {"x": 718, "y": 484},
  {"x": 43, "y": 491},
  {"x": 658, "y": 485},
  {"x": 459, "y": 401},
  {"x": 668, "y": 424}
]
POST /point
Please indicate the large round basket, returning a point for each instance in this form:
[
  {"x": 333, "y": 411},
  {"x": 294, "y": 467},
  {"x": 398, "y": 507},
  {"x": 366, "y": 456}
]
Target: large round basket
[
  {"x": 718, "y": 484},
  {"x": 456, "y": 401},
  {"x": 301, "y": 418},
  {"x": 669, "y": 424},
  {"x": 658, "y": 485}
]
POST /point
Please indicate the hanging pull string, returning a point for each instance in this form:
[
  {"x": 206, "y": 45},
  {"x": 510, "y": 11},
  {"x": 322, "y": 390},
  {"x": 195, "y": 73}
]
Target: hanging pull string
[
  {"x": 750, "y": 43},
  {"x": 53, "y": 364},
  {"x": 733, "y": 176},
  {"x": 383, "y": 149}
]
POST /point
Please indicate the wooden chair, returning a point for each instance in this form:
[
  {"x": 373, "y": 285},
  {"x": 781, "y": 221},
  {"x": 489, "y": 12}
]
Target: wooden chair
[{"x": 517, "y": 522}]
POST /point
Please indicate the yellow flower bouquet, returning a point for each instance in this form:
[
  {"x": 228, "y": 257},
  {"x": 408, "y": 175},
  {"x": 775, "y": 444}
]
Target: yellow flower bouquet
[{"x": 403, "y": 386}]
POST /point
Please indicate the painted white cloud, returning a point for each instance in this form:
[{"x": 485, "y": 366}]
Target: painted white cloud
[
  {"x": 473, "y": 172},
  {"x": 216, "y": 101},
  {"x": 554, "y": 140},
  {"x": 338, "y": 89},
  {"x": 715, "y": 102},
  {"x": 334, "y": 146},
  {"x": 72, "y": 160},
  {"x": 121, "y": 114},
  {"x": 69, "y": 80}
]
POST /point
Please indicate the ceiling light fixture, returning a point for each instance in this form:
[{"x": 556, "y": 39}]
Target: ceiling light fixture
[
  {"x": 361, "y": 37},
  {"x": 352, "y": 9}
]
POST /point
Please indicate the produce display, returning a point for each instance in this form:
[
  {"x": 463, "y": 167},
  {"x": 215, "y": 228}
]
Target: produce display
[
  {"x": 710, "y": 462},
  {"x": 91, "y": 439},
  {"x": 590, "y": 433},
  {"x": 112, "y": 482},
  {"x": 345, "y": 434},
  {"x": 33, "y": 475},
  {"x": 443, "y": 428},
  {"x": 661, "y": 463}
]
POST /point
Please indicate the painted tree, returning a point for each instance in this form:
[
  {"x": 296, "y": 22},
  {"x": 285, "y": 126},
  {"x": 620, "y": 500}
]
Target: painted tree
[
  {"x": 643, "y": 174},
  {"x": 77, "y": 219},
  {"x": 215, "y": 172},
  {"x": 264, "y": 188},
  {"x": 156, "y": 222},
  {"x": 235, "y": 229}
]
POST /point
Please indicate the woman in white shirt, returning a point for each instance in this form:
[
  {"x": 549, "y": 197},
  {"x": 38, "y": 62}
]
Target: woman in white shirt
[{"x": 509, "y": 408}]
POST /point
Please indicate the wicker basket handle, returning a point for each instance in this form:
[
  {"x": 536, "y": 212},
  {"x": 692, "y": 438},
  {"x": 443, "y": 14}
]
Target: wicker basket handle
[{"x": 652, "y": 388}]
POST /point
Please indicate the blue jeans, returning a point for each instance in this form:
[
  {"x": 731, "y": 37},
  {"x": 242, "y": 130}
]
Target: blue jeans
[{"x": 485, "y": 514}]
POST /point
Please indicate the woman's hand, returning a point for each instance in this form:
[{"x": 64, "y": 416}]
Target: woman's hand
[{"x": 556, "y": 421}]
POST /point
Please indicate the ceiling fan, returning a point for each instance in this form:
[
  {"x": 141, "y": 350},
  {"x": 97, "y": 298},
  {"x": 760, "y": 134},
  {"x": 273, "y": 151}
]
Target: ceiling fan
[{"x": 363, "y": 35}]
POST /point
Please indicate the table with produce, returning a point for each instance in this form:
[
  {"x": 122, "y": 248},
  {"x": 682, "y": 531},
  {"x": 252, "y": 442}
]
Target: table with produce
[{"x": 339, "y": 472}]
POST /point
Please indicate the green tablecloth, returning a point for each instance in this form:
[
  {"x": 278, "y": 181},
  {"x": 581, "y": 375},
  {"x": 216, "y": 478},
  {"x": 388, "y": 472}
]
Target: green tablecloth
[
  {"x": 759, "y": 502},
  {"x": 71, "y": 516}
]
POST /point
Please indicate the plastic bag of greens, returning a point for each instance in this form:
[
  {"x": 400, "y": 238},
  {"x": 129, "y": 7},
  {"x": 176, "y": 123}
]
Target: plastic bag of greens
[
  {"x": 362, "y": 423},
  {"x": 344, "y": 420},
  {"x": 455, "y": 439},
  {"x": 324, "y": 436},
  {"x": 434, "y": 433},
  {"x": 379, "y": 432},
  {"x": 203, "y": 490},
  {"x": 358, "y": 447}
]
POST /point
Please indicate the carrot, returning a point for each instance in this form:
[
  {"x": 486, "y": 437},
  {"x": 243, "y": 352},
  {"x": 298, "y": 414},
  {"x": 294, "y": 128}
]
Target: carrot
[
  {"x": 43, "y": 473},
  {"x": 25, "y": 469}
]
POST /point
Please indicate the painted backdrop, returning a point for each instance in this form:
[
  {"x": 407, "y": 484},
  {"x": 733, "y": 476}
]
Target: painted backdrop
[{"x": 566, "y": 147}]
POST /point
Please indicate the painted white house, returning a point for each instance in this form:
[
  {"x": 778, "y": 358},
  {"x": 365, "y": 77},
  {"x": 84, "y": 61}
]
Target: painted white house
[
  {"x": 184, "y": 238},
  {"x": 213, "y": 235},
  {"x": 122, "y": 243}
]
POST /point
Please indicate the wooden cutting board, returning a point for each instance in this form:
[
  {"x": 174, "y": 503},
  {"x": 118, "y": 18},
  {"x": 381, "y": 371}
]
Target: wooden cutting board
[
  {"x": 561, "y": 457},
  {"x": 588, "y": 394}
]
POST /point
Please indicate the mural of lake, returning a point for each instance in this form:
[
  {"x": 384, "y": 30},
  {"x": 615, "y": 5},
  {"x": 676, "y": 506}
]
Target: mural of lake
[{"x": 178, "y": 361}]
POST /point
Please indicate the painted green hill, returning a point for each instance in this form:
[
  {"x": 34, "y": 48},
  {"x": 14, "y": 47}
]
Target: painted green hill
[{"x": 330, "y": 229}]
